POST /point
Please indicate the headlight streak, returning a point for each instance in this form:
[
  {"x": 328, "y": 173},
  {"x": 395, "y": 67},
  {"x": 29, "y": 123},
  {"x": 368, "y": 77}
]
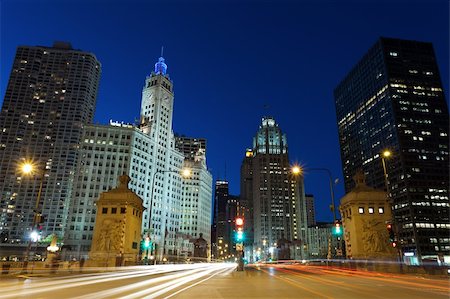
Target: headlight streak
[
  {"x": 167, "y": 287},
  {"x": 32, "y": 287},
  {"x": 113, "y": 292},
  {"x": 199, "y": 282}
]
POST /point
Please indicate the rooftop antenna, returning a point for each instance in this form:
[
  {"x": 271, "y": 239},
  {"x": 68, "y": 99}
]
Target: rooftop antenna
[{"x": 162, "y": 51}]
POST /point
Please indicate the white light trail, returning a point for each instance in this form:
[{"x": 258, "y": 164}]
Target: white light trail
[{"x": 38, "y": 286}]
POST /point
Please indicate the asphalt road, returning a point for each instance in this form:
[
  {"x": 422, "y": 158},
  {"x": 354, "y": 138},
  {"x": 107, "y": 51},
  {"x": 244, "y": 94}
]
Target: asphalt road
[{"x": 222, "y": 281}]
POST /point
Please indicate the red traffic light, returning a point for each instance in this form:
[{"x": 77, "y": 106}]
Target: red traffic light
[
  {"x": 394, "y": 244},
  {"x": 239, "y": 221},
  {"x": 389, "y": 226}
]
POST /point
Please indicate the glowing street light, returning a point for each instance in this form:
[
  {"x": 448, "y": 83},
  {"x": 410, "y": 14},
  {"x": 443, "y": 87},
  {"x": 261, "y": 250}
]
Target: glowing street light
[
  {"x": 296, "y": 170},
  {"x": 186, "y": 172},
  {"x": 28, "y": 168},
  {"x": 387, "y": 153},
  {"x": 34, "y": 236}
]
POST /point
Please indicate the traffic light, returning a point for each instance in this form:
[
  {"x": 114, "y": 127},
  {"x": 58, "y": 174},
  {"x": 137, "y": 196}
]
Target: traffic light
[
  {"x": 239, "y": 221},
  {"x": 392, "y": 239},
  {"x": 337, "y": 229},
  {"x": 146, "y": 243}
]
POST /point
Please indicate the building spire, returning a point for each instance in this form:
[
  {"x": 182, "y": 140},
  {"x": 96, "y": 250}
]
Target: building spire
[{"x": 160, "y": 66}]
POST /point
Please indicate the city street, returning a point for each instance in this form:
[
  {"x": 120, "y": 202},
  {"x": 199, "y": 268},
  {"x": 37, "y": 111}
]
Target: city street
[{"x": 222, "y": 281}]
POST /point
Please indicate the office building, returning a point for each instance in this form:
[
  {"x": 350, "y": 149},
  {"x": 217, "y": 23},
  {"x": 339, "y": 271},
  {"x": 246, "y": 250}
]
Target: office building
[
  {"x": 221, "y": 194},
  {"x": 196, "y": 204},
  {"x": 50, "y": 97},
  {"x": 393, "y": 100},
  {"x": 274, "y": 193},
  {"x": 190, "y": 147},
  {"x": 147, "y": 154},
  {"x": 310, "y": 213}
]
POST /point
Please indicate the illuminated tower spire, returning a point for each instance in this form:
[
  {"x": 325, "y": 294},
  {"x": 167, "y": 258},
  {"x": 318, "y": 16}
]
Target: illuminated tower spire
[{"x": 160, "y": 66}]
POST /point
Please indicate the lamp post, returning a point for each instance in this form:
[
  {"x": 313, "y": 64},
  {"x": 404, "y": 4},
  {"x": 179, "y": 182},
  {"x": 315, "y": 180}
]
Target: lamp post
[
  {"x": 386, "y": 154},
  {"x": 185, "y": 173},
  {"x": 28, "y": 168},
  {"x": 297, "y": 170}
]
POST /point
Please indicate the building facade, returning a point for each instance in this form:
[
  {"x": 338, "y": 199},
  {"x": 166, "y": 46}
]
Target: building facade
[
  {"x": 393, "y": 99},
  {"x": 310, "y": 212},
  {"x": 50, "y": 97},
  {"x": 196, "y": 194},
  {"x": 275, "y": 193},
  {"x": 221, "y": 194},
  {"x": 320, "y": 243},
  {"x": 147, "y": 154},
  {"x": 365, "y": 214}
]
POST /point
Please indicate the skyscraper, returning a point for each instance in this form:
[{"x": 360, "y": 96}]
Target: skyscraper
[
  {"x": 196, "y": 193},
  {"x": 393, "y": 99},
  {"x": 51, "y": 95},
  {"x": 310, "y": 212},
  {"x": 148, "y": 155},
  {"x": 274, "y": 191},
  {"x": 221, "y": 194},
  {"x": 191, "y": 147}
]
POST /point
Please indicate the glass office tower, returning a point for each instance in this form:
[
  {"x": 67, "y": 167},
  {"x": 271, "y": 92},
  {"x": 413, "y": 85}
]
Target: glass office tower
[{"x": 393, "y": 100}]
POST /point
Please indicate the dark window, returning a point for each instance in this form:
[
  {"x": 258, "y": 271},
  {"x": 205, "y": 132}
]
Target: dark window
[
  {"x": 113, "y": 210},
  {"x": 123, "y": 210},
  {"x": 105, "y": 211}
]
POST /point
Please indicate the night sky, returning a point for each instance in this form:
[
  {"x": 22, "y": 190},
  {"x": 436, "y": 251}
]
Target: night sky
[{"x": 232, "y": 62}]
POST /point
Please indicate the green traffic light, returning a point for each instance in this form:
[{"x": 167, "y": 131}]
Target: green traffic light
[{"x": 337, "y": 230}]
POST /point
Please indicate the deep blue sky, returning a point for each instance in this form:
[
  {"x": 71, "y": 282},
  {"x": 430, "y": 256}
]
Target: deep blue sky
[{"x": 228, "y": 60}]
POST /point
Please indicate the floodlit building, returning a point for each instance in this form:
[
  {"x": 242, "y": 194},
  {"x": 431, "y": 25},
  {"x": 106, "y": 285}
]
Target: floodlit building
[
  {"x": 117, "y": 230},
  {"x": 273, "y": 192},
  {"x": 393, "y": 100},
  {"x": 50, "y": 97},
  {"x": 196, "y": 194},
  {"x": 147, "y": 154},
  {"x": 366, "y": 212}
]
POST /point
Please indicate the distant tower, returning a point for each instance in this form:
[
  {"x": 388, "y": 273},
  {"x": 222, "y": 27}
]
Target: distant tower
[
  {"x": 221, "y": 196},
  {"x": 274, "y": 200},
  {"x": 310, "y": 212},
  {"x": 51, "y": 95}
]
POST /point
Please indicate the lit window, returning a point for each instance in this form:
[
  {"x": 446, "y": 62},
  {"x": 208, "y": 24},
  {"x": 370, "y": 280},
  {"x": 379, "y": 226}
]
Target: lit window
[
  {"x": 381, "y": 210},
  {"x": 395, "y": 54},
  {"x": 361, "y": 210},
  {"x": 370, "y": 210}
]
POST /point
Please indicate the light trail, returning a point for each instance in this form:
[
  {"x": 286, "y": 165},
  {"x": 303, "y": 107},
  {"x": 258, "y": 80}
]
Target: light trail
[{"x": 36, "y": 286}]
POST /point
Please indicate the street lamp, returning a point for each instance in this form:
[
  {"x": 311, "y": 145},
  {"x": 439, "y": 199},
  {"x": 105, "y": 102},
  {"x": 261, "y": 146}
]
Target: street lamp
[
  {"x": 298, "y": 170},
  {"x": 28, "y": 168},
  {"x": 386, "y": 154},
  {"x": 185, "y": 173}
]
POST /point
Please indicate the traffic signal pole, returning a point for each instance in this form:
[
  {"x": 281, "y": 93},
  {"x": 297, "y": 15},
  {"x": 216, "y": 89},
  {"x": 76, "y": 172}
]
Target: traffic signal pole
[{"x": 239, "y": 222}]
